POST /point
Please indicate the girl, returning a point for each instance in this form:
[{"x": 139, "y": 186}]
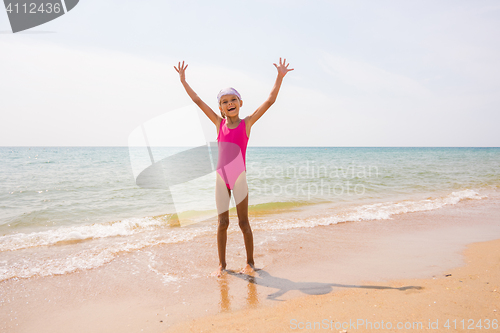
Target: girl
[{"x": 232, "y": 137}]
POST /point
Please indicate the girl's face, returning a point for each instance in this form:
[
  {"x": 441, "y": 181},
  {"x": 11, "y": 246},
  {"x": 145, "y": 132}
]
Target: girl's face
[{"x": 230, "y": 105}]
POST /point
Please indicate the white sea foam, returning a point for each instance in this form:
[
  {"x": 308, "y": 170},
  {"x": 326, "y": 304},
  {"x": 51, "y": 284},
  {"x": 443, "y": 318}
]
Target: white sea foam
[
  {"x": 125, "y": 227},
  {"x": 137, "y": 234},
  {"x": 132, "y": 226},
  {"x": 88, "y": 258},
  {"x": 378, "y": 211}
]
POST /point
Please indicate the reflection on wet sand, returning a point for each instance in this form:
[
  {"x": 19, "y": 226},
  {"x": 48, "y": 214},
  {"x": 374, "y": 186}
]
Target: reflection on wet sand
[
  {"x": 252, "y": 295},
  {"x": 252, "y": 298},
  {"x": 225, "y": 301}
]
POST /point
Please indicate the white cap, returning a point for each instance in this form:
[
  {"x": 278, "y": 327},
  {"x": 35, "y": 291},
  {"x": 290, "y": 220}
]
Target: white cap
[{"x": 227, "y": 91}]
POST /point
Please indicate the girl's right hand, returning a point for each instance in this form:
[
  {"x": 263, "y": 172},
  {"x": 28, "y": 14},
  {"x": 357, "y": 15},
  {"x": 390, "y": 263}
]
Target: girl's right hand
[{"x": 181, "y": 69}]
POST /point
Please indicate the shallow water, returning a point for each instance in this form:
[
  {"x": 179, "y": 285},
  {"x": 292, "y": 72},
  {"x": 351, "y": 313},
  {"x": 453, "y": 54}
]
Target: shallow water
[{"x": 68, "y": 209}]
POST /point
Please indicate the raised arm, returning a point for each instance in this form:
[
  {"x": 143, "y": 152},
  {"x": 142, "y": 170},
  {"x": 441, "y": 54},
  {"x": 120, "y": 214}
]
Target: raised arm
[
  {"x": 214, "y": 117},
  {"x": 282, "y": 70}
]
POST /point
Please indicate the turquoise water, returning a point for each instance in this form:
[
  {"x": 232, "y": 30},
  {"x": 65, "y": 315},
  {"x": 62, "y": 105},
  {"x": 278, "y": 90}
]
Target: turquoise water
[
  {"x": 62, "y": 196},
  {"x": 374, "y": 172},
  {"x": 43, "y": 187}
]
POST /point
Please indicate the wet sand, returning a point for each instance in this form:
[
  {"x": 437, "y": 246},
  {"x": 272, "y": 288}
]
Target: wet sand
[
  {"x": 169, "y": 287},
  {"x": 460, "y": 300}
]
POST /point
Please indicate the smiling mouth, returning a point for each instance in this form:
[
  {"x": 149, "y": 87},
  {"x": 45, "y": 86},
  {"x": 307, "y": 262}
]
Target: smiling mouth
[{"x": 231, "y": 109}]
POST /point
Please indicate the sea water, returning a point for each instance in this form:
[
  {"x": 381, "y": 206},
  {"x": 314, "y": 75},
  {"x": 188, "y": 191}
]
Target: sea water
[{"x": 64, "y": 209}]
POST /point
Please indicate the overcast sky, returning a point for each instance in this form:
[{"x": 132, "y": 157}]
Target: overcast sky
[{"x": 367, "y": 73}]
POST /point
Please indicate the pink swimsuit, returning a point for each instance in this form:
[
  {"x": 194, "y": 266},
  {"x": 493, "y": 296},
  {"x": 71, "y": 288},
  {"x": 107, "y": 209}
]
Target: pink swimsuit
[{"x": 232, "y": 151}]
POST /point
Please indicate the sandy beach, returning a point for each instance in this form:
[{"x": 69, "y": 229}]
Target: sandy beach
[{"x": 381, "y": 270}]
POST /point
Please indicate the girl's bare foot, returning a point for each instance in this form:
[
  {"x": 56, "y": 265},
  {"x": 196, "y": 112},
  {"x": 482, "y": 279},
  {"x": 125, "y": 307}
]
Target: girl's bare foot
[
  {"x": 248, "y": 269},
  {"x": 218, "y": 272}
]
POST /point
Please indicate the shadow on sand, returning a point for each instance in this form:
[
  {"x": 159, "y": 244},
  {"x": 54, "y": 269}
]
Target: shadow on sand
[{"x": 311, "y": 288}]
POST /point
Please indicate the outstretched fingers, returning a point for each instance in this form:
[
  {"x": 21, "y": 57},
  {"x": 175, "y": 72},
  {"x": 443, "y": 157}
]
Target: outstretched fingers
[
  {"x": 283, "y": 67},
  {"x": 180, "y": 67},
  {"x": 286, "y": 65}
]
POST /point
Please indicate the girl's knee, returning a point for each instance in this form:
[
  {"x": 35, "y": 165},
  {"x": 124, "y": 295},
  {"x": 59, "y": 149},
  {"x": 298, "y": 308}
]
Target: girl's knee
[
  {"x": 245, "y": 226},
  {"x": 223, "y": 222}
]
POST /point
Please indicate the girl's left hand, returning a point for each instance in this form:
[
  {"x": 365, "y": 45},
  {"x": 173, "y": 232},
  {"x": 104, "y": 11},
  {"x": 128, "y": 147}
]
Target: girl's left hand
[{"x": 282, "y": 68}]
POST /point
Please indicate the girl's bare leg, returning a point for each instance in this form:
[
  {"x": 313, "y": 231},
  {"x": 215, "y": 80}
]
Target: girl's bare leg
[
  {"x": 221, "y": 241},
  {"x": 240, "y": 193},
  {"x": 222, "y": 198},
  {"x": 242, "y": 209}
]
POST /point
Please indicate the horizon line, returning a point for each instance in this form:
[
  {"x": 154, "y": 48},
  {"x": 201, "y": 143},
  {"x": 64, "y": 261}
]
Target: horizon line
[{"x": 254, "y": 146}]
